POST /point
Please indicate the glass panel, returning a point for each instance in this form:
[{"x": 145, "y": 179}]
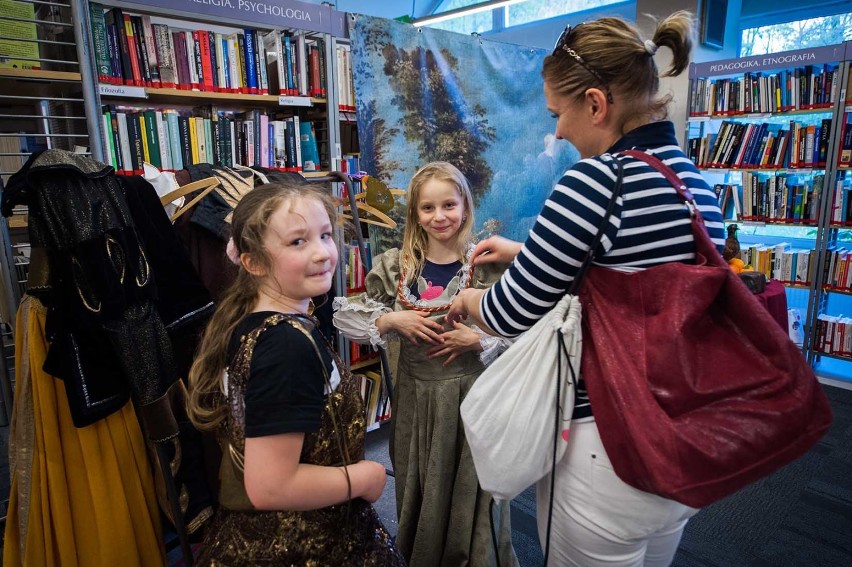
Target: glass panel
[
  {"x": 802, "y": 34},
  {"x": 535, "y": 10},
  {"x": 473, "y": 23}
]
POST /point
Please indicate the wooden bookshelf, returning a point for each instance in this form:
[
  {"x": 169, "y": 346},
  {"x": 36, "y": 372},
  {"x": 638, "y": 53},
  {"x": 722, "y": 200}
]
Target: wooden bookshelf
[{"x": 39, "y": 74}]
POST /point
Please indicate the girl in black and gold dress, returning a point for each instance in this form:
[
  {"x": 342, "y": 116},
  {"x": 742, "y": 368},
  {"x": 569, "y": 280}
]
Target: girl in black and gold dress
[{"x": 295, "y": 489}]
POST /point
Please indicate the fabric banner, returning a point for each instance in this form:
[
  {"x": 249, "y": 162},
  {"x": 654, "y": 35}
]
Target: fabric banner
[{"x": 425, "y": 95}]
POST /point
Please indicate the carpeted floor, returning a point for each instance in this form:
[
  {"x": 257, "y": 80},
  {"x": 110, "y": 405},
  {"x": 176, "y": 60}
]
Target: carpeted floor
[{"x": 799, "y": 516}]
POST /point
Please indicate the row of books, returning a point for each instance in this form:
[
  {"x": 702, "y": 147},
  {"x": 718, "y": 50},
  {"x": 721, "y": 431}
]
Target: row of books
[
  {"x": 764, "y": 145},
  {"x": 356, "y": 271},
  {"x": 172, "y": 140},
  {"x": 350, "y": 163},
  {"x": 833, "y": 335},
  {"x": 131, "y": 50},
  {"x": 838, "y": 272},
  {"x": 376, "y": 399},
  {"x": 841, "y": 206},
  {"x": 781, "y": 198},
  {"x": 801, "y": 88},
  {"x": 361, "y": 353},
  {"x": 788, "y": 265}
]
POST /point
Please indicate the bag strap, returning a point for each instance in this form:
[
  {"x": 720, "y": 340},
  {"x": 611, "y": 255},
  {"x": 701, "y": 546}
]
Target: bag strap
[{"x": 590, "y": 256}]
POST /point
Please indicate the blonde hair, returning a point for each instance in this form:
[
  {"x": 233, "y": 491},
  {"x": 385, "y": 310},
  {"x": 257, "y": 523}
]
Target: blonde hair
[
  {"x": 415, "y": 241},
  {"x": 615, "y": 50},
  {"x": 206, "y": 405}
]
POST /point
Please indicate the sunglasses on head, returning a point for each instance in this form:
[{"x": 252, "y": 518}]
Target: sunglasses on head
[{"x": 562, "y": 45}]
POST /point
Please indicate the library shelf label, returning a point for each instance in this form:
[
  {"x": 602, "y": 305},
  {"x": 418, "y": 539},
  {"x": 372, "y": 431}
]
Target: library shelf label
[
  {"x": 124, "y": 91},
  {"x": 295, "y": 101}
]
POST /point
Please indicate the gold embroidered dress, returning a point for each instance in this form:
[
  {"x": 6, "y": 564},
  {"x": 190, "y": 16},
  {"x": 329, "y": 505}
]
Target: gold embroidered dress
[
  {"x": 348, "y": 534},
  {"x": 443, "y": 513}
]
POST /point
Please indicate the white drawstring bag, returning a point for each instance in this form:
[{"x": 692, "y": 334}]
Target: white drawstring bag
[{"x": 517, "y": 413}]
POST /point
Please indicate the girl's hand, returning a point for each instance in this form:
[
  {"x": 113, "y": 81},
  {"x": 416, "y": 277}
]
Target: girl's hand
[
  {"x": 457, "y": 340},
  {"x": 495, "y": 249},
  {"x": 413, "y": 325}
]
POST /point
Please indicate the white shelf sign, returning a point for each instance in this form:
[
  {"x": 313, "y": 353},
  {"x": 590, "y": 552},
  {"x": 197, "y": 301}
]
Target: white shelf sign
[
  {"x": 122, "y": 91},
  {"x": 294, "y": 101}
]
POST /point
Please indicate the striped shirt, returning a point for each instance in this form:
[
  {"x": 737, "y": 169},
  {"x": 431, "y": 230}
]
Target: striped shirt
[{"x": 649, "y": 226}]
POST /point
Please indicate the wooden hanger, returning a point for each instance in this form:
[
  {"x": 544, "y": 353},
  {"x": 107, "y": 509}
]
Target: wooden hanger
[
  {"x": 376, "y": 217},
  {"x": 205, "y": 185}
]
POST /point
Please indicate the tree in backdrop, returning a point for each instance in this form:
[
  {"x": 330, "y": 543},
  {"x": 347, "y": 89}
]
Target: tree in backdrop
[
  {"x": 375, "y": 136},
  {"x": 437, "y": 118},
  {"x": 801, "y": 34}
]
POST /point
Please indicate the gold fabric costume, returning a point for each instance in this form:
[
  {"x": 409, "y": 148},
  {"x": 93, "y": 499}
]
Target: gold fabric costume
[
  {"x": 343, "y": 535},
  {"x": 80, "y": 496}
]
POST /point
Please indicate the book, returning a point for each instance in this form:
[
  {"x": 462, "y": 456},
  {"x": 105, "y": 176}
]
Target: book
[
  {"x": 308, "y": 146},
  {"x": 103, "y": 62},
  {"x": 250, "y": 61}
]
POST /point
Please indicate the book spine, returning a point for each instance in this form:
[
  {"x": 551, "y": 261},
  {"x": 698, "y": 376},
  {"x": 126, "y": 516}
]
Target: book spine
[
  {"x": 249, "y": 57},
  {"x": 141, "y": 52},
  {"x": 260, "y": 64},
  {"x": 221, "y": 62},
  {"x": 134, "y": 133},
  {"x": 162, "y": 138},
  {"x": 101, "y": 45},
  {"x": 171, "y": 117},
  {"x": 241, "y": 50},
  {"x": 152, "y": 139},
  {"x": 151, "y": 49},
  {"x": 196, "y": 63},
  {"x": 202, "y": 42},
  {"x": 185, "y": 141},
  {"x": 227, "y": 84},
  {"x": 165, "y": 56}
]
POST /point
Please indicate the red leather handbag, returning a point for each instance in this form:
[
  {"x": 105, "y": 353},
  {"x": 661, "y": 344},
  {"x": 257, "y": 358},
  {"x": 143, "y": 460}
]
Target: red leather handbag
[{"x": 696, "y": 390}]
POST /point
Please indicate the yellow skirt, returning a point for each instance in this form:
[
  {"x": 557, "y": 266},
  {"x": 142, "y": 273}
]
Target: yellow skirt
[{"x": 80, "y": 496}]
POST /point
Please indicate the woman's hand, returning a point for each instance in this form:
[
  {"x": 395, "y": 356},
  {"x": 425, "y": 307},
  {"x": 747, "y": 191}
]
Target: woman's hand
[
  {"x": 457, "y": 340},
  {"x": 413, "y": 325},
  {"x": 463, "y": 303},
  {"x": 495, "y": 249}
]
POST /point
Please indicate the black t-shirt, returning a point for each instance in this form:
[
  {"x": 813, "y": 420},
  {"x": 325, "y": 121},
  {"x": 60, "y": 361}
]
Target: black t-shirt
[{"x": 286, "y": 389}]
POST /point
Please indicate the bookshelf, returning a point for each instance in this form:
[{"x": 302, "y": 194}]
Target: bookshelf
[{"x": 767, "y": 132}]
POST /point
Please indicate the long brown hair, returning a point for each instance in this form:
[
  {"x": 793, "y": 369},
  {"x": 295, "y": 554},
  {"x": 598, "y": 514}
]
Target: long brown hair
[
  {"x": 206, "y": 405},
  {"x": 616, "y": 51},
  {"x": 415, "y": 242}
]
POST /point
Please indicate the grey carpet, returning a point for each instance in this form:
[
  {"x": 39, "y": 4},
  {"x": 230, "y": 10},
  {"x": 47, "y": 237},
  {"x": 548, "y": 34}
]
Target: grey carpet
[{"x": 801, "y": 515}]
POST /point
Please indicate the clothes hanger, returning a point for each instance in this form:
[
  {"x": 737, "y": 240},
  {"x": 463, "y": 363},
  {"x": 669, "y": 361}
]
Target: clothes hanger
[
  {"x": 376, "y": 217},
  {"x": 204, "y": 185}
]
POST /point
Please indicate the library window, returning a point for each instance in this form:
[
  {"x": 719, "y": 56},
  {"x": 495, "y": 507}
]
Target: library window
[
  {"x": 515, "y": 14},
  {"x": 536, "y": 10},
  {"x": 800, "y": 34},
  {"x": 478, "y": 22}
]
